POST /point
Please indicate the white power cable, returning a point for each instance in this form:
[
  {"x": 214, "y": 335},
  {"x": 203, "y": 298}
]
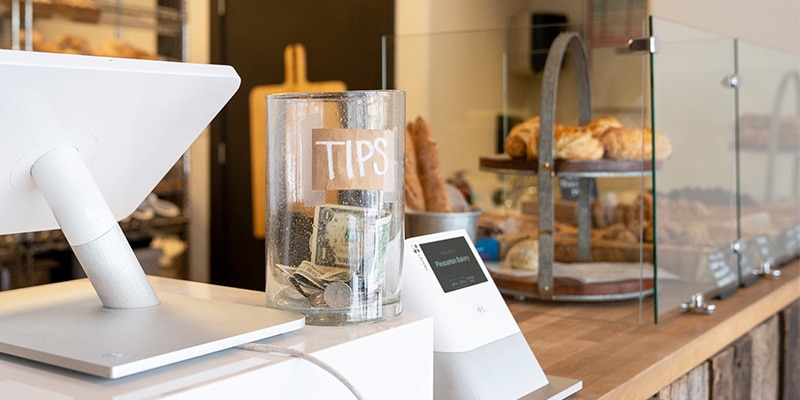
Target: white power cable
[{"x": 266, "y": 348}]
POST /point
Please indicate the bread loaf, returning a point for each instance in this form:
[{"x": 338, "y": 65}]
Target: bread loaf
[{"x": 524, "y": 255}]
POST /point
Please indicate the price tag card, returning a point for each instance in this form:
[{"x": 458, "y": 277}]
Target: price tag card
[
  {"x": 789, "y": 243},
  {"x": 571, "y": 188},
  {"x": 724, "y": 273},
  {"x": 764, "y": 247},
  {"x": 749, "y": 262}
]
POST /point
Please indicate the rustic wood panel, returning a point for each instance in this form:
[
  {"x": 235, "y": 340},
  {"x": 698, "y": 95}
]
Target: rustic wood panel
[
  {"x": 694, "y": 385},
  {"x": 742, "y": 367},
  {"x": 765, "y": 347},
  {"x": 790, "y": 352},
  {"x": 699, "y": 387},
  {"x": 763, "y": 364},
  {"x": 722, "y": 374}
]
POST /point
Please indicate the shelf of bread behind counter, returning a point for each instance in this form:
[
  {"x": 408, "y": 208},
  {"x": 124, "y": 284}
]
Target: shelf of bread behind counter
[{"x": 602, "y": 147}]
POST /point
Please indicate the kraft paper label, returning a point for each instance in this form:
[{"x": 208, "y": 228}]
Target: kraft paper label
[{"x": 352, "y": 159}]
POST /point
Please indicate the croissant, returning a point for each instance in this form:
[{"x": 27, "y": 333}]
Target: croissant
[
  {"x": 599, "y": 125},
  {"x": 635, "y": 144},
  {"x": 519, "y": 138},
  {"x": 603, "y": 137},
  {"x": 576, "y": 143}
]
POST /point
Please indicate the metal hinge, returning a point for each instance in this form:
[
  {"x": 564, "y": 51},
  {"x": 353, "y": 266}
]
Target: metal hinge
[
  {"x": 221, "y": 8},
  {"x": 648, "y": 44}
]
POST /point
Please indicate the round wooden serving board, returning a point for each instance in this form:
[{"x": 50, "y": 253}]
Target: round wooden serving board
[{"x": 513, "y": 282}]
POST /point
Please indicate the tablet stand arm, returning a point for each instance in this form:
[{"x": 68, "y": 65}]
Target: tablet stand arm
[{"x": 91, "y": 229}]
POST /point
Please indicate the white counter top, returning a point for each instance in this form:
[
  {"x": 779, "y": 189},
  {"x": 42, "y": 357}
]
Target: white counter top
[{"x": 380, "y": 360}]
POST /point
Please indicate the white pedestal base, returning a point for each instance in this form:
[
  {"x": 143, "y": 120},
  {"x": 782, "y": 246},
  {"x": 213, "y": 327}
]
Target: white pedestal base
[
  {"x": 64, "y": 324},
  {"x": 387, "y": 360},
  {"x": 557, "y": 388}
]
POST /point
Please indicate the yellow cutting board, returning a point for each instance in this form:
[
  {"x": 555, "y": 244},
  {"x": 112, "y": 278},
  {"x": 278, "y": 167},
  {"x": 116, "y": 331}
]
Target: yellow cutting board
[{"x": 296, "y": 80}]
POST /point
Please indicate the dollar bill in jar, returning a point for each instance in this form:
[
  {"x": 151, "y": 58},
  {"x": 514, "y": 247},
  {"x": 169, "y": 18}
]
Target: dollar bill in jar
[{"x": 352, "y": 238}]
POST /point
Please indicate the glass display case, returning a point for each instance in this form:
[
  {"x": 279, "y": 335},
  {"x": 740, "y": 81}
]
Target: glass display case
[
  {"x": 769, "y": 154},
  {"x": 728, "y": 207},
  {"x": 695, "y": 99},
  {"x": 594, "y": 241},
  {"x": 715, "y": 211}
]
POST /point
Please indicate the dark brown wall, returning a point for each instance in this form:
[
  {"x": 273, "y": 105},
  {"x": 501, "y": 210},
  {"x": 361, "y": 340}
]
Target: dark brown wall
[{"x": 343, "y": 42}]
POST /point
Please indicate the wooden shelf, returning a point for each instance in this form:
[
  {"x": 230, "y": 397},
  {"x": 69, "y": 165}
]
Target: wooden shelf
[{"x": 502, "y": 163}]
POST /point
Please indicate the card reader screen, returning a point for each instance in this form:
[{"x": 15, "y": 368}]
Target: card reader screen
[{"x": 453, "y": 263}]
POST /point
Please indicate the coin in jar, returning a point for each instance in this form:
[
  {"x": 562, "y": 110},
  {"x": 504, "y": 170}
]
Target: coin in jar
[{"x": 337, "y": 294}]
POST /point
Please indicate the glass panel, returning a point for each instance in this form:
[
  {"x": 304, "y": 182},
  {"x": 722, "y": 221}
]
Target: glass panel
[
  {"x": 472, "y": 88},
  {"x": 694, "y": 104},
  {"x": 769, "y": 143}
]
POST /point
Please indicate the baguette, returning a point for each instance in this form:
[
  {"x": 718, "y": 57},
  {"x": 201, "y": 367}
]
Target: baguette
[
  {"x": 433, "y": 186},
  {"x": 415, "y": 199}
]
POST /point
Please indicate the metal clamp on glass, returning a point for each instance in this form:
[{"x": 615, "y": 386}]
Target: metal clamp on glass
[
  {"x": 766, "y": 270},
  {"x": 698, "y": 305},
  {"x": 731, "y": 81},
  {"x": 647, "y": 44}
]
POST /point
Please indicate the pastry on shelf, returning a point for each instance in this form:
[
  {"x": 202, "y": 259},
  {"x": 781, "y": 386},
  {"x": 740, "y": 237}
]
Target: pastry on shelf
[
  {"x": 576, "y": 143},
  {"x": 600, "y": 125},
  {"x": 602, "y": 138},
  {"x": 570, "y": 142},
  {"x": 73, "y": 44},
  {"x": 523, "y": 255},
  {"x": 518, "y": 141},
  {"x": 119, "y": 48},
  {"x": 626, "y": 207},
  {"x": 70, "y": 43},
  {"x": 635, "y": 144}
]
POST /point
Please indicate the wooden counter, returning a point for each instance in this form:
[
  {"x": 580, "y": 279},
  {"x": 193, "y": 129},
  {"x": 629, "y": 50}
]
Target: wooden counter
[{"x": 619, "y": 358}]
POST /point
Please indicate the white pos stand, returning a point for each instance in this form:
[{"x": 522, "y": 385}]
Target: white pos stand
[
  {"x": 479, "y": 351},
  {"x": 83, "y": 140}
]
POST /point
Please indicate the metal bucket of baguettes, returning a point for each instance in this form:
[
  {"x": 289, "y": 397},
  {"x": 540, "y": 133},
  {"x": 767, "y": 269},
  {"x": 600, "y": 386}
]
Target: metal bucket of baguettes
[{"x": 432, "y": 205}]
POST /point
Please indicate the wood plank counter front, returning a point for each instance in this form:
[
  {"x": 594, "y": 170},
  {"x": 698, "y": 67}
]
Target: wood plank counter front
[{"x": 618, "y": 358}]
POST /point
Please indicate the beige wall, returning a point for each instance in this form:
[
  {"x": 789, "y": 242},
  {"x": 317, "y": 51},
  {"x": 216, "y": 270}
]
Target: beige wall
[
  {"x": 774, "y": 23},
  {"x": 199, "y": 268}
]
